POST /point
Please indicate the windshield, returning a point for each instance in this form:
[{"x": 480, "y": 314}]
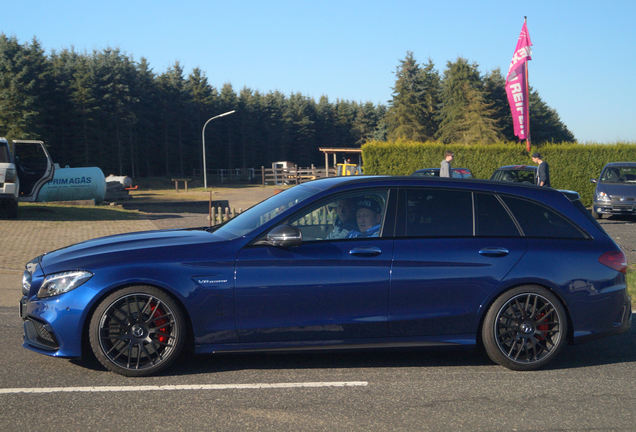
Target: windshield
[
  {"x": 619, "y": 174},
  {"x": 265, "y": 211}
]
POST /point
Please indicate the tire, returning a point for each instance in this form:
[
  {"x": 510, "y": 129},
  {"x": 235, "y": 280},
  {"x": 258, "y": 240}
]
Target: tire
[
  {"x": 137, "y": 331},
  {"x": 525, "y": 328},
  {"x": 12, "y": 209}
]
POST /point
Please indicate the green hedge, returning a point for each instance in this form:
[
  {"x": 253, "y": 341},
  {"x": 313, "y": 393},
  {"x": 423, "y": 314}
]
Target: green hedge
[{"x": 571, "y": 165}]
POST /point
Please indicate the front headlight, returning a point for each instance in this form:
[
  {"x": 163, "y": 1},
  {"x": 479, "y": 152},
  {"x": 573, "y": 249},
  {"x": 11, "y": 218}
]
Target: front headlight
[
  {"x": 602, "y": 196},
  {"x": 59, "y": 283}
]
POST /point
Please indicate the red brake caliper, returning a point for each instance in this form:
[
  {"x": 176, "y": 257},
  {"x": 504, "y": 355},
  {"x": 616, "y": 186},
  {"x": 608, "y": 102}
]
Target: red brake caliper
[
  {"x": 542, "y": 327},
  {"x": 158, "y": 312}
]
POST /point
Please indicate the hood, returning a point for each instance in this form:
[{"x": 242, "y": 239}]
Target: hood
[
  {"x": 617, "y": 189},
  {"x": 138, "y": 245}
]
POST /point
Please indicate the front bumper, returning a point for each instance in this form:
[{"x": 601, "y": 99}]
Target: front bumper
[
  {"x": 52, "y": 326},
  {"x": 615, "y": 208}
]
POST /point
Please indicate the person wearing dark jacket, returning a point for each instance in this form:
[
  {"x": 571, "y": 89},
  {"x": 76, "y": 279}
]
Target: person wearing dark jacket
[{"x": 543, "y": 170}]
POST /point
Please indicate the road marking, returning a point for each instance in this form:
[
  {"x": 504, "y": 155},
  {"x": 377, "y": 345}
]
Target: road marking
[{"x": 183, "y": 387}]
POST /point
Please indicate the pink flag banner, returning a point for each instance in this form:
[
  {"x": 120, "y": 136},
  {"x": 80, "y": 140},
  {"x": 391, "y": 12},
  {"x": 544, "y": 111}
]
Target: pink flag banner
[{"x": 517, "y": 85}]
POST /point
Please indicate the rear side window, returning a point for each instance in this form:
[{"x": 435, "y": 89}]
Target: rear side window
[
  {"x": 492, "y": 219},
  {"x": 438, "y": 213},
  {"x": 539, "y": 221}
]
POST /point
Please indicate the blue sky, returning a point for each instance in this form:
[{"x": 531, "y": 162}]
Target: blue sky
[{"x": 583, "y": 51}]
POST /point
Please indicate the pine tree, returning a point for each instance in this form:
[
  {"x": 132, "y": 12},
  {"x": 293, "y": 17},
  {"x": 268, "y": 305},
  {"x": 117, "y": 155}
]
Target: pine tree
[
  {"x": 405, "y": 118},
  {"x": 465, "y": 115}
]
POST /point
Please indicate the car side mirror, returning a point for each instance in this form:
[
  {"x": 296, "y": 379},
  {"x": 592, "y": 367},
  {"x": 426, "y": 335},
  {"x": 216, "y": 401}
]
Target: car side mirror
[
  {"x": 593, "y": 180},
  {"x": 285, "y": 236}
]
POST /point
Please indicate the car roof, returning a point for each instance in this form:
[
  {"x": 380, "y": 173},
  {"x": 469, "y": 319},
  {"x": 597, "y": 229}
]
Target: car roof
[
  {"x": 613, "y": 164},
  {"x": 437, "y": 169},
  {"x": 518, "y": 167},
  {"x": 405, "y": 181}
]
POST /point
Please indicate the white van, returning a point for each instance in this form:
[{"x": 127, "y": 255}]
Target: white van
[{"x": 24, "y": 169}]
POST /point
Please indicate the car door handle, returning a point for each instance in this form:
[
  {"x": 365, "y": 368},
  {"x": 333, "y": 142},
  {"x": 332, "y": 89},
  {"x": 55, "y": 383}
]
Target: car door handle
[
  {"x": 494, "y": 251},
  {"x": 366, "y": 251}
]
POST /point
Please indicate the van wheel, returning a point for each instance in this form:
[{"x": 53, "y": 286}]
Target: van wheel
[
  {"x": 525, "y": 328},
  {"x": 12, "y": 210}
]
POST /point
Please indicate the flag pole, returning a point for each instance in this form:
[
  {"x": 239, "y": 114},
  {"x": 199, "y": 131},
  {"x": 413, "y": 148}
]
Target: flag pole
[{"x": 525, "y": 21}]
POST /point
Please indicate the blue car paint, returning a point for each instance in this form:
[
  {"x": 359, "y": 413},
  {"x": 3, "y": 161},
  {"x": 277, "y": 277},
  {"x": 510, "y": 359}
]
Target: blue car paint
[{"x": 242, "y": 297}]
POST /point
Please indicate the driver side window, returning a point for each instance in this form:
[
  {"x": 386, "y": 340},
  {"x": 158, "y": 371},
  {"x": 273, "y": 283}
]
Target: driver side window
[{"x": 358, "y": 214}]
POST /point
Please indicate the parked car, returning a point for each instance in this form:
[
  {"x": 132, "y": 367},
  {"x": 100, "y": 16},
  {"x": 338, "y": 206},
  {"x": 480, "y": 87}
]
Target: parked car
[
  {"x": 516, "y": 173},
  {"x": 519, "y": 269},
  {"x": 23, "y": 172},
  {"x": 434, "y": 172},
  {"x": 615, "y": 192}
]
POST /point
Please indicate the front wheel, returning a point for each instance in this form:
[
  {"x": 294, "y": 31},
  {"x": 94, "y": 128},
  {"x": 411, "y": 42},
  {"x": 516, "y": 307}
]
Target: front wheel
[
  {"x": 524, "y": 328},
  {"x": 137, "y": 331}
]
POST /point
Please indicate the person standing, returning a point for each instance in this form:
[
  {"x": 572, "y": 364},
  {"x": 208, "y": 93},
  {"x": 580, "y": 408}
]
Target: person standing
[
  {"x": 445, "y": 167},
  {"x": 543, "y": 170}
]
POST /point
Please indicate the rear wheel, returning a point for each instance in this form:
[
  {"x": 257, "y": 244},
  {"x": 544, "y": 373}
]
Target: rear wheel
[
  {"x": 525, "y": 328},
  {"x": 137, "y": 331}
]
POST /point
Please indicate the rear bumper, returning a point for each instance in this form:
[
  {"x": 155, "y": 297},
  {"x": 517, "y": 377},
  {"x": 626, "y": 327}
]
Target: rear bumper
[{"x": 621, "y": 325}]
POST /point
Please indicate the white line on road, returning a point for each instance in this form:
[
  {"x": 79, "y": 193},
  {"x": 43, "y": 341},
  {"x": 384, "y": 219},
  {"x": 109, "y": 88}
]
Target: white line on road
[{"x": 184, "y": 387}]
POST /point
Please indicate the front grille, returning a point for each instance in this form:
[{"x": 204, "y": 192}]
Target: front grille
[{"x": 40, "y": 335}]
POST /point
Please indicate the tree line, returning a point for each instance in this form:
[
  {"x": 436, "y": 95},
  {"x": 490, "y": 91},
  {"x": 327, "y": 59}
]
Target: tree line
[{"x": 106, "y": 109}]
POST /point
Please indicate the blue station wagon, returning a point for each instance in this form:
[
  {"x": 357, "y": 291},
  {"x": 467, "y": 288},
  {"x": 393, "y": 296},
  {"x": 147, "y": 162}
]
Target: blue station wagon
[{"x": 340, "y": 262}]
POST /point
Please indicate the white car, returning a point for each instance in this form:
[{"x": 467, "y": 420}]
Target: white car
[{"x": 23, "y": 172}]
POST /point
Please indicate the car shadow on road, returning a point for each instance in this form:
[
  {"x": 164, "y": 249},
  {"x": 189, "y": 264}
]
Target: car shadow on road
[{"x": 612, "y": 350}]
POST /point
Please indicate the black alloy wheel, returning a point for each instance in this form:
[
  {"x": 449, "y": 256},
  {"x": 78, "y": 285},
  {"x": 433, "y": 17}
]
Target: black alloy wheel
[
  {"x": 137, "y": 331},
  {"x": 524, "y": 328}
]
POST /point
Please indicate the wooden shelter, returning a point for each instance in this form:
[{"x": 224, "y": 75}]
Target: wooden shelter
[{"x": 339, "y": 150}]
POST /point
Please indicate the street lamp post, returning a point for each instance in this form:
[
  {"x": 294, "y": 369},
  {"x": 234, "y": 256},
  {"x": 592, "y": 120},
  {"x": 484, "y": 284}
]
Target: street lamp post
[{"x": 205, "y": 173}]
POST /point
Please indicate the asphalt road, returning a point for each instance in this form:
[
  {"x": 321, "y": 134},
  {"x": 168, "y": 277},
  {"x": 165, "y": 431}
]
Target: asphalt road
[{"x": 589, "y": 387}]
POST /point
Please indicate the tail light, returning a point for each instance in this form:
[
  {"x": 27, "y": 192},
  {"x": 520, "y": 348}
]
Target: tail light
[{"x": 615, "y": 260}]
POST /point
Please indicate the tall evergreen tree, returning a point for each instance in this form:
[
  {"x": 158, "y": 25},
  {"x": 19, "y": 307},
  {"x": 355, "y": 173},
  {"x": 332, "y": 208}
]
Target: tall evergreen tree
[
  {"x": 405, "y": 115},
  {"x": 465, "y": 116}
]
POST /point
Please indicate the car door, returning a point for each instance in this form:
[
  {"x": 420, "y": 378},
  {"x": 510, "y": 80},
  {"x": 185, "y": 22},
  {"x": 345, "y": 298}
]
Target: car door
[
  {"x": 325, "y": 289},
  {"x": 446, "y": 262},
  {"x": 34, "y": 165}
]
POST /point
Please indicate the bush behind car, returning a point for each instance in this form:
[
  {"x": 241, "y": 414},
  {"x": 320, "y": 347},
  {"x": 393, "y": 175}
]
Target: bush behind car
[{"x": 571, "y": 165}]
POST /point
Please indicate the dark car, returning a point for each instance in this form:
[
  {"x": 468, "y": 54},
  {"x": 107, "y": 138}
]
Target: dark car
[
  {"x": 516, "y": 173},
  {"x": 434, "y": 172},
  {"x": 518, "y": 269},
  {"x": 615, "y": 192}
]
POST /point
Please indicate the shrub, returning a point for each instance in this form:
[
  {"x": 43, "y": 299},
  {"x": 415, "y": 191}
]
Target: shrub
[{"x": 572, "y": 165}]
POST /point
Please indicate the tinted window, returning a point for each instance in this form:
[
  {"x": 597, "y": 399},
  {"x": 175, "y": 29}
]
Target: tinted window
[
  {"x": 539, "y": 221},
  {"x": 492, "y": 219},
  {"x": 438, "y": 213}
]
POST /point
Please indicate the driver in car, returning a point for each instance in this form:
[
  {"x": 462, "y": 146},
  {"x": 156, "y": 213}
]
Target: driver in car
[{"x": 368, "y": 218}]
